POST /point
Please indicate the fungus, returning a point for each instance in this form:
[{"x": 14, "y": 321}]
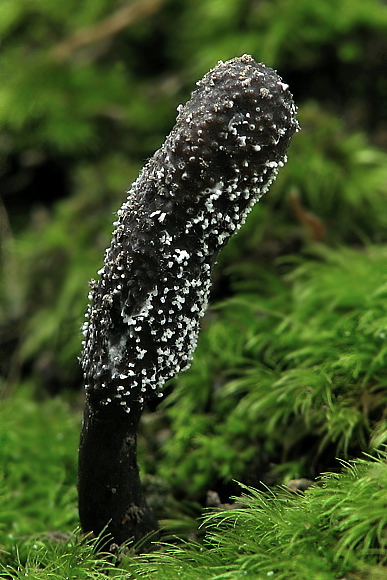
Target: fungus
[{"x": 227, "y": 146}]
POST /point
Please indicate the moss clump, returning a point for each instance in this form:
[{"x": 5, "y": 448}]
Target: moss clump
[
  {"x": 38, "y": 446},
  {"x": 337, "y": 529},
  {"x": 289, "y": 373},
  {"x": 292, "y": 366}
]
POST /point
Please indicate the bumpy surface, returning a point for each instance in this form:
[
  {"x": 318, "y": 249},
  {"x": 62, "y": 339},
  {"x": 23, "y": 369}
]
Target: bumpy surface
[{"x": 225, "y": 150}]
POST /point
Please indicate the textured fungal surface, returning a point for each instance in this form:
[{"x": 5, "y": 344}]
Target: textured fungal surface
[{"x": 226, "y": 148}]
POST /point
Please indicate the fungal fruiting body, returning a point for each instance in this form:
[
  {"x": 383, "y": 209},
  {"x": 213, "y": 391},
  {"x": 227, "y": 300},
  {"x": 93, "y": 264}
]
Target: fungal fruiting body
[{"x": 226, "y": 148}]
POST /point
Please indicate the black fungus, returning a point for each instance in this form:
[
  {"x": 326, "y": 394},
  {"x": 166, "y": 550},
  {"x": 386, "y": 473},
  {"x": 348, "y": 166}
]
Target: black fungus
[{"x": 226, "y": 148}]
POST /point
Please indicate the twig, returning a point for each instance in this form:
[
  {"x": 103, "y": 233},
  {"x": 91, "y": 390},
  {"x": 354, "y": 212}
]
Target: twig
[{"x": 106, "y": 28}]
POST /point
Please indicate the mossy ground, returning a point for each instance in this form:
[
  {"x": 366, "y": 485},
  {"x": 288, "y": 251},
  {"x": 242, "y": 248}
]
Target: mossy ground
[
  {"x": 283, "y": 383},
  {"x": 336, "y": 529},
  {"x": 289, "y": 378}
]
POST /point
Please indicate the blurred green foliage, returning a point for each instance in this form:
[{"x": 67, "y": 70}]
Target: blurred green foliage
[
  {"x": 91, "y": 102},
  {"x": 38, "y": 445},
  {"x": 290, "y": 368}
]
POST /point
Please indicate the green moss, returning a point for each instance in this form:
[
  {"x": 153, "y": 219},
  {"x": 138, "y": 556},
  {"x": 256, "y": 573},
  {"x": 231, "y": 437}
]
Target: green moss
[
  {"x": 336, "y": 529},
  {"x": 291, "y": 368},
  {"x": 38, "y": 449},
  {"x": 99, "y": 115}
]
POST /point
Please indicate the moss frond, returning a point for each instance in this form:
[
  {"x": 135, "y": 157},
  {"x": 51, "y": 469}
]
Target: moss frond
[
  {"x": 334, "y": 529},
  {"x": 294, "y": 371}
]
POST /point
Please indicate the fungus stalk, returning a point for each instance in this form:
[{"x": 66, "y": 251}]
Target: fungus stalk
[{"x": 228, "y": 143}]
